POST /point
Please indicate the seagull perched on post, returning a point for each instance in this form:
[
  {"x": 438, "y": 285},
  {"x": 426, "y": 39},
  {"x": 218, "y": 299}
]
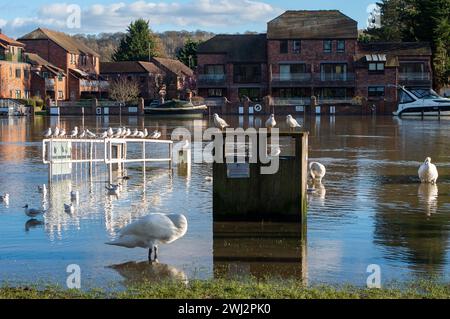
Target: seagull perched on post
[
  {"x": 135, "y": 133},
  {"x": 219, "y": 122},
  {"x": 110, "y": 132},
  {"x": 104, "y": 134},
  {"x": 291, "y": 122},
  {"x": 48, "y": 133},
  {"x": 428, "y": 172},
  {"x": 56, "y": 132},
  {"x": 145, "y": 133},
  {"x": 83, "y": 134},
  {"x": 127, "y": 133},
  {"x": 32, "y": 212},
  {"x": 74, "y": 132},
  {"x": 90, "y": 134},
  {"x": 270, "y": 123},
  {"x": 150, "y": 230},
  {"x": 155, "y": 135},
  {"x": 118, "y": 132},
  {"x": 62, "y": 133}
]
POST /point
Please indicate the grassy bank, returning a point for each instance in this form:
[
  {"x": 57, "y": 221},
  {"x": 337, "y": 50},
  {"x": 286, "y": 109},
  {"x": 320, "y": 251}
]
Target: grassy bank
[{"x": 233, "y": 289}]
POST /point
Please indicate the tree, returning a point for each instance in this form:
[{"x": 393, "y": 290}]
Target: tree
[
  {"x": 139, "y": 44},
  {"x": 418, "y": 20},
  {"x": 188, "y": 53},
  {"x": 124, "y": 91}
]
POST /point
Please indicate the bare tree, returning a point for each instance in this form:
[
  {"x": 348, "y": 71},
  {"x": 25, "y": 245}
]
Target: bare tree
[{"x": 124, "y": 91}]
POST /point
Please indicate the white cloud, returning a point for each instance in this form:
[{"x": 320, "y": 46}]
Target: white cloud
[{"x": 196, "y": 14}]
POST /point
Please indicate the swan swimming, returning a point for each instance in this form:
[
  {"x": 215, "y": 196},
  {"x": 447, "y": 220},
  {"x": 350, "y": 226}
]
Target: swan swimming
[
  {"x": 428, "y": 172},
  {"x": 219, "y": 122},
  {"x": 150, "y": 230},
  {"x": 317, "y": 171},
  {"x": 32, "y": 212}
]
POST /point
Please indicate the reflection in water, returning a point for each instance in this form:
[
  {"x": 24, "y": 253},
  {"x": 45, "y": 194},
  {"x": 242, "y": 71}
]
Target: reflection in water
[
  {"x": 268, "y": 250},
  {"x": 33, "y": 223},
  {"x": 428, "y": 197},
  {"x": 316, "y": 194},
  {"x": 147, "y": 271}
]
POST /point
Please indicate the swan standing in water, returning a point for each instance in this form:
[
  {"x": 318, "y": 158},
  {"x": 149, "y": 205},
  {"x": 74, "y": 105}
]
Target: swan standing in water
[
  {"x": 428, "y": 172},
  {"x": 317, "y": 171},
  {"x": 150, "y": 230},
  {"x": 219, "y": 122}
]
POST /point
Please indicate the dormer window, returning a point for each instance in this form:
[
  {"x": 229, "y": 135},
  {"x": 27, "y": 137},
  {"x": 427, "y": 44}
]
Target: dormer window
[{"x": 327, "y": 46}]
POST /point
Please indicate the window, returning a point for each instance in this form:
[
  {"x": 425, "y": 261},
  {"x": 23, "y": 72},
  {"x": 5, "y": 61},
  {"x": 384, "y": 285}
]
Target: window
[
  {"x": 60, "y": 95},
  {"x": 333, "y": 93},
  {"x": 60, "y": 77},
  {"x": 294, "y": 93},
  {"x": 296, "y": 46},
  {"x": 18, "y": 94},
  {"x": 18, "y": 73},
  {"x": 376, "y": 91},
  {"x": 10, "y": 73},
  {"x": 142, "y": 78},
  {"x": 333, "y": 72},
  {"x": 215, "y": 72},
  {"x": 27, "y": 94},
  {"x": 340, "y": 46},
  {"x": 283, "y": 46},
  {"x": 376, "y": 67},
  {"x": 292, "y": 71},
  {"x": 404, "y": 97},
  {"x": 26, "y": 74},
  {"x": 247, "y": 73},
  {"x": 253, "y": 94},
  {"x": 215, "y": 93},
  {"x": 327, "y": 46},
  {"x": 45, "y": 75}
]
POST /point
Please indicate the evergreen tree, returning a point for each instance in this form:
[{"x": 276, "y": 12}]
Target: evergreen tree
[
  {"x": 188, "y": 53},
  {"x": 139, "y": 44}
]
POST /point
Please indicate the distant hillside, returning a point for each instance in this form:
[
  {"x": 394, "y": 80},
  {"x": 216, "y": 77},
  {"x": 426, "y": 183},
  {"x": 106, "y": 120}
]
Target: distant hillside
[{"x": 171, "y": 41}]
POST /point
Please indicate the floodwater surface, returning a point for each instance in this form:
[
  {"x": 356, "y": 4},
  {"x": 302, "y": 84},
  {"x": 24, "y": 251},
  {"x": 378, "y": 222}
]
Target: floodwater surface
[{"x": 371, "y": 209}]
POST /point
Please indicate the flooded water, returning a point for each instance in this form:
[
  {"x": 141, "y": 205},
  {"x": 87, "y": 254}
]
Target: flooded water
[{"x": 371, "y": 209}]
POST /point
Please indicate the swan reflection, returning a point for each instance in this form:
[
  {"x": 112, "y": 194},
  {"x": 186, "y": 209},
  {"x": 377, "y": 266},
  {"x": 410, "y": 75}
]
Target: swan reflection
[
  {"x": 33, "y": 223},
  {"x": 317, "y": 194},
  {"x": 428, "y": 197},
  {"x": 146, "y": 271}
]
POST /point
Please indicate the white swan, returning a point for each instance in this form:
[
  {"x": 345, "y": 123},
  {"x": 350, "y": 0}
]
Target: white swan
[
  {"x": 317, "y": 171},
  {"x": 150, "y": 230},
  {"x": 428, "y": 172},
  {"x": 270, "y": 123},
  {"x": 219, "y": 122},
  {"x": 291, "y": 122},
  {"x": 32, "y": 212}
]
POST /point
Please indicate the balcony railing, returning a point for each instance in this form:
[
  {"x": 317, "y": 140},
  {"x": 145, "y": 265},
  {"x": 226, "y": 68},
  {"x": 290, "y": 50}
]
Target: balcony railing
[
  {"x": 280, "y": 101},
  {"x": 49, "y": 84},
  {"x": 421, "y": 76},
  {"x": 337, "y": 100},
  {"x": 247, "y": 79},
  {"x": 94, "y": 85},
  {"x": 211, "y": 79},
  {"x": 335, "y": 77},
  {"x": 295, "y": 77}
]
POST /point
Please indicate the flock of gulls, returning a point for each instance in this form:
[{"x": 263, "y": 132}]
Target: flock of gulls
[
  {"x": 121, "y": 132},
  {"x": 156, "y": 228}
]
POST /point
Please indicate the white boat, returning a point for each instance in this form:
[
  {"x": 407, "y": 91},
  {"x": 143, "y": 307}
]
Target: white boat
[{"x": 421, "y": 102}]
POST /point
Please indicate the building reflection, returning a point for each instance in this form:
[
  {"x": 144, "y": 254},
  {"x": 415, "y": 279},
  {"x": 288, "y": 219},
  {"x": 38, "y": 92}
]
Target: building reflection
[{"x": 260, "y": 250}]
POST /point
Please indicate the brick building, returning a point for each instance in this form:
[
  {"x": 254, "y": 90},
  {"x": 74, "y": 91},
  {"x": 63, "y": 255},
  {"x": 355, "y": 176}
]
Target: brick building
[
  {"x": 79, "y": 63},
  {"x": 311, "y": 58},
  {"x": 14, "y": 71},
  {"x": 176, "y": 77}
]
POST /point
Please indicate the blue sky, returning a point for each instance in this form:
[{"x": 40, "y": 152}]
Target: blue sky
[{"x": 221, "y": 16}]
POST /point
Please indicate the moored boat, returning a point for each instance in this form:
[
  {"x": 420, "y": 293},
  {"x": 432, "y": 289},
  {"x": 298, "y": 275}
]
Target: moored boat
[
  {"x": 421, "y": 102},
  {"x": 177, "y": 107}
]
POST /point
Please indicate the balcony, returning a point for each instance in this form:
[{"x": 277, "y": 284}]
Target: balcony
[
  {"x": 415, "y": 79},
  {"x": 211, "y": 80},
  {"x": 334, "y": 79},
  {"x": 294, "y": 101},
  {"x": 247, "y": 79},
  {"x": 291, "y": 79},
  {"x": 93, "y": 85},
  {"x": 49, "y": 84}
]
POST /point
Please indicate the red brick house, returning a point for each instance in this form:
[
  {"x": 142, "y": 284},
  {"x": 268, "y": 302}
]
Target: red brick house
[
  {"x": 309, "y": 54},
  {"x": 14, "y": 71},
  {"x": 179, "y": 78},
  {"x": 147, "y": 74},
  {"x": 80, "y": 63}
]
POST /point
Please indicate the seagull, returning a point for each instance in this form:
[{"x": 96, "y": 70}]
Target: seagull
[
  {"x": 90, "y": 134},
  {"x": 69, "y": 208},
  {"x": 112, "y": 190},
  {"x": 48, "y": 133},
  {"x": 209, "y": 178},
  {"x": 74, "y": 132},
  {"x": 118, "y": 132},
  {"x": 145, "y": 133},
  {"x": 104, "y": 134},
  {"x": 270, "y": 123},
  {"x": 56, "y": 132},
  {"x": 83, "y": 134},
  {"x": 428, "y": 172},
  {"x": 150, "y": 230},
  {"x": 135, "y": 133},
  {"x": 219, "y": 122},
  {"x": 110, "y": 132},
  {"x": 291, "y": 122},
  {"x": 4, "y": 198},
  {"x": 124, "y": 132},
  {"x": 32, "y": 212},
  {"x": 62, "y": 133},
  {"x": 317, "y": 171},
  {"x": 127, "y": 133},
  {"x": 155, "y": 135}
]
